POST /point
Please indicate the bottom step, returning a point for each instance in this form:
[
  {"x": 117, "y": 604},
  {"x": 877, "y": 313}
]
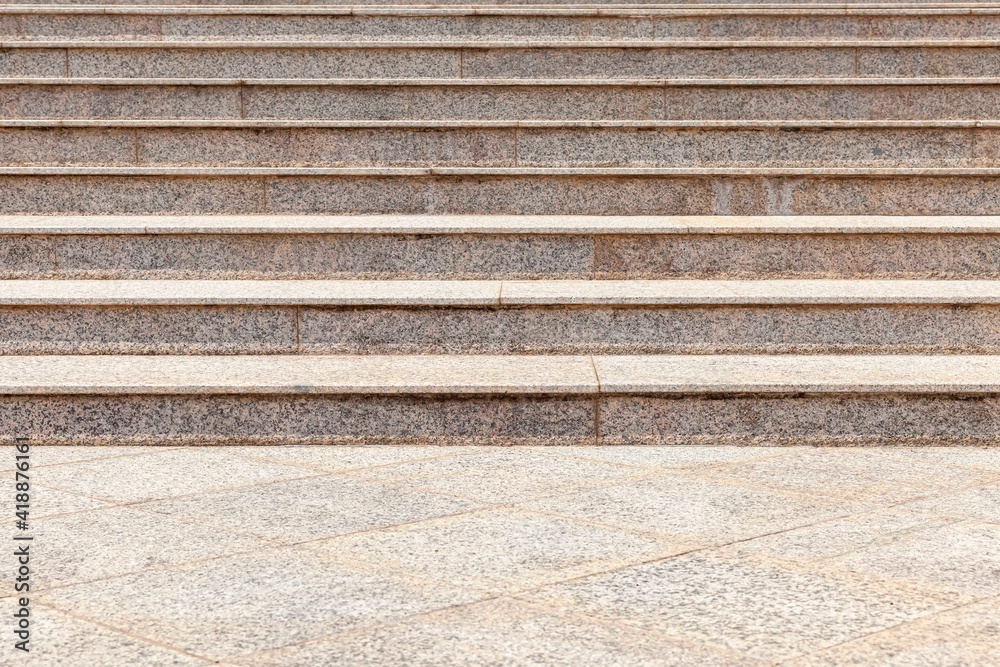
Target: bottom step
[{"x": 509, "y": 400}]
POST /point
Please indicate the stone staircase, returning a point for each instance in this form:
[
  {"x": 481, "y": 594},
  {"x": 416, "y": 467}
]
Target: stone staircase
[{"x": 500, "y": 224}]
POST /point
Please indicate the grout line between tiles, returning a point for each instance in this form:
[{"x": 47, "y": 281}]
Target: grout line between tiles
[{"x": 123, "y": 632}]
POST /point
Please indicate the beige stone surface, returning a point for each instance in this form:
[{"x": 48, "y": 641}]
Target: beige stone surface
[
  {"x": 519, "y": 556},
  {"x": 494, "y": 224},
  {"x": 457, "y": 374},
  {"x": 254, "y": 292},
  {"x": 840, "y": 373},
  {"x": 642, "y": 292},
  {"x": 290, "y": 374},
  {"x": 807, "y": 191},
  {"x": 499, "y": 550}
]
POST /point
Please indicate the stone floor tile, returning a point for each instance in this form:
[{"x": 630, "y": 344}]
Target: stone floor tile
[
  {"x": 853, "y": 474},
  {"x": 961, "y": 558},
  {"x": 676, "y": 456},
  {"x": 981, "y": 503},
  {"x": 694, "y": 510},
  {"x": 312, "y": 508},
  {"x": 48, "y": 455},
  {"x": 763, "y": 609},
  {"x": 60, "y": 640},
  {"x": 983, "y": 458},
  {"x": 163, "y": 474},
  {"x": 828, "y": 539},
  {"x": 503, "y": 475},
  {"x": 251, "y": 602},
  {"x": 118, "y": 540},
  {"x": 336, "y": 459},
  {"x": 47, "y": 502},
  {"x": 965, "y": 636},
  {"x": 497, "y": 633},
  {"x": 500, "y": 550}
]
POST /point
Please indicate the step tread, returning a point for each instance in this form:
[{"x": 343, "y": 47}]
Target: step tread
[
  {"x": 495, "y": 292},
  {"x": 238, "y": 123},
  {"x": 495, "y": 224},
  {"x": 499, "y": 171},
  {"x": 460, "y": 374},
  {"x": 538, "y": 43},
  {"x": 653, "y": 82},
  {"x": 578, "y": 9}
]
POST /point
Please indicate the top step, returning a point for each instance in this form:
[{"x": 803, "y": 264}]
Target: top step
[
  {"x": 405, "y": 22},
  {"x": 511, "y": 3}
]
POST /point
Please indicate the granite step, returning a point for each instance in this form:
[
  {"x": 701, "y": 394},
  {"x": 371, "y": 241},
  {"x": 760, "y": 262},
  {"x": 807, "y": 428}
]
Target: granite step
[
  {"x": 500, "y": 60},
  {"x": 499, "y": 191},
  {"x": 489, "y": 4},
  {"x": 651, "y": 399},
  {"x": 514, "y": 144},
  {"x": 498, "y": 247},
  {"x": 497, "y": 99},
  {"x": 485, "y": 22},
  {"x": 499, "y": 317}
]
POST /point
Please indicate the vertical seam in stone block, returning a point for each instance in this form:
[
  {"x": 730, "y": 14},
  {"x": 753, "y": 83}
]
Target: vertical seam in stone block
[
  {"x": 461, "y": 63},
  {"x": 298, "y": 329},
  {"x": 974, "y": 146},
  {"x": 771, "y": 196},
  {"x": 55, "y": 254},
  {"x": 263, "y": 194},
  {"x": 243, "y": 113},
  {"x": 135, "y": 145},
  {"x": 429, "y": 196},
  {"x": 598, "y": 436},
  {"x": 722, "y": 197},
  {"x": 598, "y": 397},
  {"x": 66, "y": 60},
  {"x": 517, "y": 145},
  {"x": 593, "y": 256}
]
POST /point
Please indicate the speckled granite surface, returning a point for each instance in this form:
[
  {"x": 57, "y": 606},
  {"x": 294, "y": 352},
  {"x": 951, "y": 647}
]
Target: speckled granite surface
[
  {"x": 527, "y": 556},
  {"x": 557, "y": 59},
  {"x": 619, "y": 334},
  {"x": 724, "y": 143},
  {"x": 431, "y": 145},
  {"x": 851, "y": 192},
  {"x": 501, "y": 21},
  {"x": 697, "y": 99},
  {"x": 503, "y": 400},
  {"x": 497, "y": 317}
]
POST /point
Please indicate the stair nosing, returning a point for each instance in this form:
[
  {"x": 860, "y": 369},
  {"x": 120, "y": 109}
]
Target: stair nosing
[
  {"x": 499, "y": 375},
  {"x": 498, "y": 293},
  {"x": 500, "y": 171},
  {"x": 581, "y": 9},
  {"x": 493, "y": 224},
  {"x": 193, "y": 44},
  {"x": 594, "y": 82},
  {"x": 238, "y": 123}
]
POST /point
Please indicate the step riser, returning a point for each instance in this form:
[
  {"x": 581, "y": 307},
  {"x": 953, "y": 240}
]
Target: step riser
[
  {"x": 484, "y": 27},
  {"x": 506, "y": 63},
  {"x": 513, "y": 147},
  {"x": 490, "y": 256},
  {"x": 502, "y": 102},
  {"x": 858, "y": 420},
  {"x": 512, "y": 195},
  {"x": 485, "y": 3},
  {"x": 899, "y": 329}
]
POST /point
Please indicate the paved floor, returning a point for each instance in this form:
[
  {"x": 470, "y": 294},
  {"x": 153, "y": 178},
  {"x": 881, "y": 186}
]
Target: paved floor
[{"x": 577, "y": 556}]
